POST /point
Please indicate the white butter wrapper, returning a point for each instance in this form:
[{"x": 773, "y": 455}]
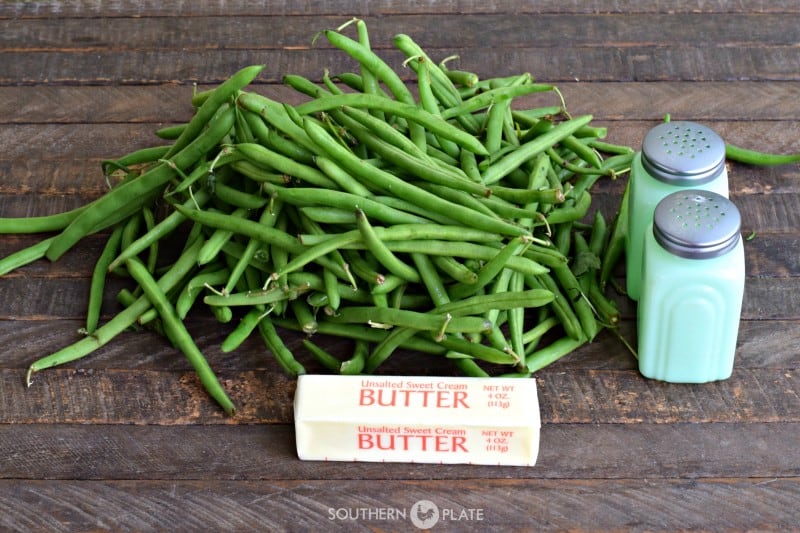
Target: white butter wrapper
[{"x": 482, "y": 421}]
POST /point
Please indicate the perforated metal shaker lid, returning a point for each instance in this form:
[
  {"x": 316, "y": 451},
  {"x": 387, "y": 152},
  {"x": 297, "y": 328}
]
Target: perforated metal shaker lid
[
  {"x": 697, "y": 224},
  {"x": 683, "y": 153}
]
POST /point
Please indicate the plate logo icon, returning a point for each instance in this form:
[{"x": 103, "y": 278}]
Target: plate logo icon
[{"x": 424, "y": 514}]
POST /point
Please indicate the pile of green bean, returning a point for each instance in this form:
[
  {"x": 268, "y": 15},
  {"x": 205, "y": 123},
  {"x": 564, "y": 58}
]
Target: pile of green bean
[{"x": 447, "y": 222}]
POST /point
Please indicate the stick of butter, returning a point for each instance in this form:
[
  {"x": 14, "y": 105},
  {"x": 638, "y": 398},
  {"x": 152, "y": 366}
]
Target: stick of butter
[{"x": 486, "y": 421}]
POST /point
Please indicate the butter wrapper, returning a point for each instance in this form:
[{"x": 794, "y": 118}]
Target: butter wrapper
[{"x": 446, "y": 420}]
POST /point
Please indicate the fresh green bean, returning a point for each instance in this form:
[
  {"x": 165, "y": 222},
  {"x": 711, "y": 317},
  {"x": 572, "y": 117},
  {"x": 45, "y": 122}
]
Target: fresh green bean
[
  {"x": 552, "y": 352},
  {"x": 177, "y": 333},
  {"x": 120, "y": 322},
  {"x": 129, "y": 197},
  {"x": 25, "y": 256},
  {"x": 209, "y": 107},
  {"x": 385, "y": 256},
  {"x": 527, "y": 151},
  {"x": 99, "y": 274},
  {"x": 386, "y": 181},
  {"x": 433, "y": 123},
  {"x": 755, "y": 157},
  {"x": 279, "y": 349},
  {"x": 383, "y": 72}
]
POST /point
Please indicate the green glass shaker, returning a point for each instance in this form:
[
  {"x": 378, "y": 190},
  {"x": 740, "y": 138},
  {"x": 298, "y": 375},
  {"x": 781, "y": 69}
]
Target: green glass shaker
[
  {"x": 692, "y": 289},
  {"x": 674, "y": 156}
]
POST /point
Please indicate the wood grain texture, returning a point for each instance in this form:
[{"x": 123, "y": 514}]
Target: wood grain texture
[
  {"x": 120, "y": 396},
  {"x": 612, "y": 103},
  {"x": 127, "y": 440},
  {"x": 94, "y": 8},
  {"x": 507, "y": 504},
  {"x": 267, "y": 452}
]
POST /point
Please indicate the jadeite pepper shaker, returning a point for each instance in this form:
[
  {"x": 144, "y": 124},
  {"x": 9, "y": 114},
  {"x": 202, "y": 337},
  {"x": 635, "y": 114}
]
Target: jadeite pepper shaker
[
  {"x": 692, "y": 289},
  {"x": 674, "y": 156}
]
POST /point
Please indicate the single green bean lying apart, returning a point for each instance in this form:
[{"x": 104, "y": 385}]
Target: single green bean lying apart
[{"x": 754, "y": 157}]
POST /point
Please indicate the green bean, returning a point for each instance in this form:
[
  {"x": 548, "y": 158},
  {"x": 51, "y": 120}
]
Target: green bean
[
  {"x": 222, "y": 313},
  {"x": 268, "y": 159},
  {"x": 422, "y": 168},
  {"x": 433, "y": 123},
  {"x": 170, "y": 132},
  {"x": 597, "y": 241},
  {"x": 439, "y": 323},
  {"x": 560, "y": 305},
  {"x": 213, "y": 245},
  {"x": 553, "y": 352},
  {"x": 482, "y": 303},
  {"x": 455, "y": 270},
  {"x": 25, "y": 256},
  {"x": 209, "y": 107},
  {"x": 368, "y": 79},
  {"x": 610, "y": 148},
  {"x": 238, "y": 198},
  {"x": 97, "y": 285},
  {"x": 268, "y": 218},
  {"x": 208, "y": 277},
  {"x": 441, "y": 85},
  {"x": 578, "y": 300},
  {"x": 259, "y": 175},
  {"x": 386, "y": 181},
  {"x": 246, "y": 326},
  {"x": 385, "y": 256},
  {"x": 240, "y": 226},
  {"x": 180, "y": 337},
  {"x": 516, "y": 316},
  {"x": 464, "y": 250},
  {"x": 531, "y": 337},
  {"x": 355, "y": 364},
  {"x": 581, "y": 150},
  {"x": 526, "y": 151},
  {"x": 279, "y": 350},
  {"x": 138, "y": 157},
  {"x": 323, "y": 356},
  {"x": 429, "y": 102},
  {"x": 119, "y": 322},
  {"x": 493, "y": 96},
  {"x": 374, "y": 64},
  {"x": 754, "y": 157},
  {"x": 39, "y": 224},
  {"x": 276, "y": 115},
  {"x": 460, "y": 77},
  {"x": 342, "y": 178},
  {"x": 129, "y": 197},
  {"x": 160, "y": 230},
  {"x": 571, "y": 213},
  {"x": 255, "y": 297},
  {"x": 395, "y": 339},
  {"x": 490, "y": 269},
  {"x": 616, "y": 241}
]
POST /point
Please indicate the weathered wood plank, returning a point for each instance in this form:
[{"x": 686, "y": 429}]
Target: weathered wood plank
[
  {"x": 147, "y": 8},
  {"x": 636, "y": 63},
  {"x": 119, "y": 396},
  {"x": 746, "y": 101},
  {"x": 468, "y": 32},
  {"x": 267, "y": 452},
  {"x": 481, "y": 505}
]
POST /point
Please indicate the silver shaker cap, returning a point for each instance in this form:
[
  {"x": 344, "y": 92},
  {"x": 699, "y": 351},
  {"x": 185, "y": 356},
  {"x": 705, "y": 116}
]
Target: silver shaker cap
[
  {"x": 697, "y": 224},
  {"x": 683, "y": 153}
]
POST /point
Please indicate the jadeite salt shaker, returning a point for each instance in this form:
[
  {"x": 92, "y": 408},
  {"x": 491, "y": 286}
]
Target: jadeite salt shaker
[
  {"x": 674, "y": 156},
  {"x": 692, "y": 289}
]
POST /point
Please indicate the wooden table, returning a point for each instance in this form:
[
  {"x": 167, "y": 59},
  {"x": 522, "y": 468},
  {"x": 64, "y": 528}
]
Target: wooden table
[{"x": 127, "y": 440}]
